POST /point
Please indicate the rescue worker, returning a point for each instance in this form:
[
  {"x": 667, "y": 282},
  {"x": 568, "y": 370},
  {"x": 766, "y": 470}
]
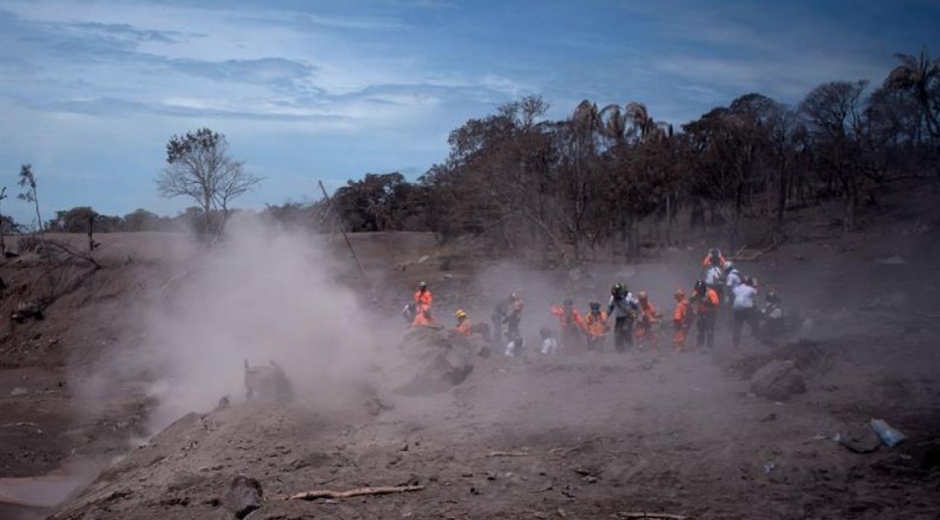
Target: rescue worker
[
  {"x": 463, "y": 327},
  {"x": 626, "y": 306},
  {"x": 423, "y": 318},
  {"x": 549, "y": 343},
  {"x": 774, "y": 320},
  {"x": 714, "y": 258},
  {"x": 571, "y": 324},
  {"x": 732, "y": 280},
  {"x": 595, "y": 327},
  {"x": 744, "y": 311},
  {"x": 682, "y": 318},
  {"x": 423, "y": 298},
  {"x": 706, "y": 307},
  {"x": 648, "y": 320},
  {"x": 409, "y": 312},
  {"x": 508, "y": 311},
  {"x": 715, "y": 280}
]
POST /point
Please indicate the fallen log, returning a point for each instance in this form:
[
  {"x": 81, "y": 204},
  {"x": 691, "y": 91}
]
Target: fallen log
[
  {"x": 329, "y": 493},
  {"x": 659, "y": 516}
]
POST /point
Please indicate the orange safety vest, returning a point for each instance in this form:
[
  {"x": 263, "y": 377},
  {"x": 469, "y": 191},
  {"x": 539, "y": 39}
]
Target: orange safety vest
[
  {"x": 596, "y": 324},
  {"x": 463, "y": 327},
  {"x": 682, "y": 316},
  {"x": 566, "y": 320},
  {"x": 422, "y": 321},
  {"x": 648, "y": 312},
  {"x": 423, "y": 300},
  {"x": 709, "y": 303}
]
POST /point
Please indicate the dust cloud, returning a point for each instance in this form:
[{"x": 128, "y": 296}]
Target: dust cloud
[{"x": 264, "y": 293}]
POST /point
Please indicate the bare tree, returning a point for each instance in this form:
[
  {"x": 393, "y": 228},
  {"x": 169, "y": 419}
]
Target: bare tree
[
  {"x": 3, "y": 245},
  {"x": 28, "y": 181},
  {"x": 199, "y": 167}
]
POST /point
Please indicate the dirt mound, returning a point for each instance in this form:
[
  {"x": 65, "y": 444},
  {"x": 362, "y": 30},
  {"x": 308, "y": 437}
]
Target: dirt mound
[
  {"x": 807, "y": 356},
  {"x": 778, "y": 381},
  {"x": 434, "y": 361}
]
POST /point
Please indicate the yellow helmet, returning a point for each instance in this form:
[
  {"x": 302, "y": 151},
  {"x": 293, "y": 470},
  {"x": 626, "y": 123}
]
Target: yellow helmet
[{"x": 460, "y": 314}]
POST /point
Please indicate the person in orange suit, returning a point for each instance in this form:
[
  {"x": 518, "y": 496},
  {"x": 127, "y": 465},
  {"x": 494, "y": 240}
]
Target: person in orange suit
[
  {"x": 645, "y": 332},
  {"x": 571, "y": 324},
  {"x": 595, "y": 326},
  {"x": 463, "y": 327},
  {"x": 706, "y": 310},
  {"x": 682, "y": 318},
  {"x": 423, "y": 319},
  {"x": 423, "y": 298},
  {"x": 714, "y": 258}
]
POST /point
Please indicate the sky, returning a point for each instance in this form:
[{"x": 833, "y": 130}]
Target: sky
[{"x": 308, "y": 90}]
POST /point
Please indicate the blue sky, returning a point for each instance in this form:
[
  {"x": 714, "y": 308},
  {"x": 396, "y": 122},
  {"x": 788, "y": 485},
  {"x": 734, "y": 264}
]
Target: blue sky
[{"x": 90, "y": 91}]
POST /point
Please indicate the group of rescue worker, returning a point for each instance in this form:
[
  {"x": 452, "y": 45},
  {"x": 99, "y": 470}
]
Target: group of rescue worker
[{"x": 636, "y": 320}]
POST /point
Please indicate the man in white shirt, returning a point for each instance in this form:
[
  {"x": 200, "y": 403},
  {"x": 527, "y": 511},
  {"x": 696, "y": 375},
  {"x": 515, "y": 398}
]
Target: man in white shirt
[
  {"x": 744, "y": 310},
  {"x": 732, "y": 280}
]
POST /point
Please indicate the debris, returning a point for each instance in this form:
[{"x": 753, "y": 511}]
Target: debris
[
  {"x": 769, "y": 417},
  {"x": 432, "y": 363},
  {"x": 19, "y": 390},
  {"x": 891, "y": 260},
  {"x": 423, "y": 259},
  {"x": 778, "y": 381},
  {"x": 267, "y": 383},
  {"x": 859, "y": 440},
  {"x": 244, "y": 496},
  {"x": 328, "y": 493},
  {"x": 769, "y": 466},
  {"x": 888, "y": 435},
  {"x": 511, "y": 453}
]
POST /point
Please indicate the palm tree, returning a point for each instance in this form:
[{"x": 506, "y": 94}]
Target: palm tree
[{"x": 918, "y": 75}]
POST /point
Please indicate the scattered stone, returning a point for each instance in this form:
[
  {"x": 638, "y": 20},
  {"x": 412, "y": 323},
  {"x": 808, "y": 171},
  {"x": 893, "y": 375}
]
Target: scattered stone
[
  {"x": 860, "y": 440},
  {"x": 244, "y": 496},
  {"x": 778, "y": 381}
]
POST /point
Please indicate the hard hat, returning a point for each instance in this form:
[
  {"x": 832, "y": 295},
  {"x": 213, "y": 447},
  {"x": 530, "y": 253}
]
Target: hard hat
[
  {"x": 514, "y": 295},
  {"x": 595, "y": 306},
  {"x": 642, "y": 295},
  {"x": 618, "y": 290},
  {"x": 729, "y": 266},
  {"x": 460, "y": 314},
  {"x": 422, "y": 285},
  {"x": 679, "y": 294},
  {"x": 568, "y": 302},
  {"x": 700, "y": 286},
  {"x": 772, "y": 297}
]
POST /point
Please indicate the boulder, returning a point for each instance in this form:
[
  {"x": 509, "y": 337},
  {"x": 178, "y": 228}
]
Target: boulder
[
  {"x": 778, "y": 380},
  {"x": 860, "y": 440},
  {"x": 267, "y": 383},
  {"x": 244, "y": 496},
  {"x": 433, "y": 362}
]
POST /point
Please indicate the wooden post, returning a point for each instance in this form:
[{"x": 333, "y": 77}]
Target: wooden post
[{"x": 345, "y": 237}]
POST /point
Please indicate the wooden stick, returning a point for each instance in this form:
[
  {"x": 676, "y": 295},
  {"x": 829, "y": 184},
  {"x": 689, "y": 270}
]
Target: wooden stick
[
  {"x": 512, "y": 453},
  {"x": 329, "y": 493},
  {"x": 661, "y": 516}
]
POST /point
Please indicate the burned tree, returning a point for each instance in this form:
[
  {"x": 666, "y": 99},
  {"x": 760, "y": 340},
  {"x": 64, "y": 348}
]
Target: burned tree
[{"x": 198, "y": 166}]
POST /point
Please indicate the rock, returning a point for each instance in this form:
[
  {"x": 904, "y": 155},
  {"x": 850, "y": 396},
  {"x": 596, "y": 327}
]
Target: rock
[
  {"x": 860, "y": 440},
  {"x": 244, "y": 496},
  {"x": 19, "y": 391},
  {"x": 778, "y": 381},
  {"x": 433, "y": 362},
  {"x": 267, "y": 382}
]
